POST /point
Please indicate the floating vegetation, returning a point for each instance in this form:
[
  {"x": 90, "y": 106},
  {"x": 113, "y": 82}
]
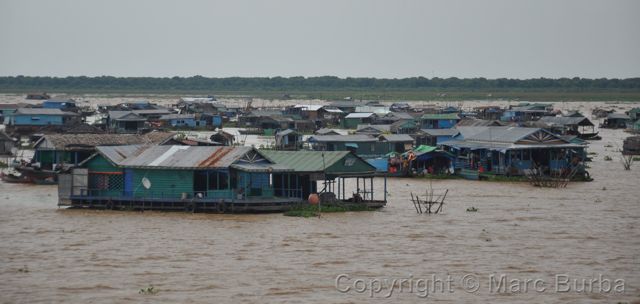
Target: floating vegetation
[
  {"x": 608, "y": 146},
  {"x": 308, "y": 210},
  {"x": 148, "y": 291},
  {"x": 472, "y": 209},
  {"x": 608, "y": 158},
  {"x": 627, "y": 161},
  {"x": 24, "y": 269}
]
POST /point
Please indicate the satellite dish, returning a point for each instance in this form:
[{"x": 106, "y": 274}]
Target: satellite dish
[{"x": 146, "y": 183}]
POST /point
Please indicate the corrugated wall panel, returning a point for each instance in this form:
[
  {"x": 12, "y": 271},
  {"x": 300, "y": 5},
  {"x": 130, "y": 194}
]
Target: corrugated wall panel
[{"x": 164, "y": 183}]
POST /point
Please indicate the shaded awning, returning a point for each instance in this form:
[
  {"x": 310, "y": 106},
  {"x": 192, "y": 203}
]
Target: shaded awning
[{"x": 258, "y": 167}]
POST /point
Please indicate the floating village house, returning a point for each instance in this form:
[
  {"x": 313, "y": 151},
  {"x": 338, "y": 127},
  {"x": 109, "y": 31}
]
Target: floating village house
[
  {"x": 567, "y": 125},
  {"x": 365, "y": 146},
  {"x": 616, "y": 121},
  {"x": 266, "y": 119},
  {"x": 125, "y": 122},
  {"x": 433, "y": 137},
  {"x": 348, "y": 106},
  {"x": 392, "y": 117},
  {"x": 488, "y": 112},
  {"x": 6, "y": 144},
  {"x": 527, "y": 112},
  {"x": 352, "y": 120},
  {"x": 511, "y": 151},
  {"x": 38, "y": 96},
  {"x": 439, "y": 121},
  {"x": 62, "y": 104},
  {"x": 634, "y": 114},
  {"x": 325, "y": 131},
  {"x": 330, "y": 116},
  {"x": 222, "y": 137},
  {"x": 223, "y": 179},
  {"x": 374, "y": 130},
  {"x": 289, "y": 140},
  {"x": 404, "y": 127},
  {"x": 7, "y": 110},
  {"x": 306, "y": 111},
  {"x": 71, "y": 149},
  {"x": 32, "y": 118},
  {"x": 179, "y": 120}
]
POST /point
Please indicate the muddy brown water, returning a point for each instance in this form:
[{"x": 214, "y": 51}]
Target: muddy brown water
[{"x": 51, "y": 255}]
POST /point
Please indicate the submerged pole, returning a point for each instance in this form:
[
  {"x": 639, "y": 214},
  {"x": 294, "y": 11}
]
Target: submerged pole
[{"x": 385, "y": 188}]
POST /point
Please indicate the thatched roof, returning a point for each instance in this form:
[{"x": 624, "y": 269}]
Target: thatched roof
[{"x": 84, "y": 141}]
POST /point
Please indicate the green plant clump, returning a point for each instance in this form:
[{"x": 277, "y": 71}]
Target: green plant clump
[
  {"x": 308, "y": 210},
  {"x": 148, "y": 291}
]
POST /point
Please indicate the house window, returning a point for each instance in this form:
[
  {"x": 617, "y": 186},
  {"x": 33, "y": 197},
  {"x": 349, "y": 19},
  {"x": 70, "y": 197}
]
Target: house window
[{"x": 218, "y": 180}]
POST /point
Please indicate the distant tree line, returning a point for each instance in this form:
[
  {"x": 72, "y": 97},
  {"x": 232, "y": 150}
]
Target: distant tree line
[{"x": 199, "y": 83}]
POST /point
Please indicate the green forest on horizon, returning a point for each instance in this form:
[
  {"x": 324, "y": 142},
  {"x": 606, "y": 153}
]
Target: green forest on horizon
[{"x": 331, "y": 87}]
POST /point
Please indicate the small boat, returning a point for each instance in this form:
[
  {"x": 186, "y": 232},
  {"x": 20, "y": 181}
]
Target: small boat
[
  {"x": 38, "y": 176},
  {"x": 14, "y": 179},
  {"x": 589, "y": 136}
]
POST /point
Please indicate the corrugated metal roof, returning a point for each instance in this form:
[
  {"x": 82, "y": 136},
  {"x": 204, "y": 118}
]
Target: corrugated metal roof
[
  {"x": 342, "y": 138},
  {"x": 177, "y": 116},
  {"x": 187, "y": 157},
  {"x": 152, "y": 111},
  {"x": 119, "y": 115},
  {"x": 447, "y": 116},
  {"x": 325, "y": 131},
  {"x": 613, "y": 116},
  {"x": 397, "y": 137},
  {"x": 441, "y": 132},
  {"x": 399, "y": 115},
  {"x": 566, "y": 120},
  {"x": 174, "y": 157},
  {"x": 181, "y": 157},
  {"x": 312, "y": 108},
  {"x": 287, "y": 132},
  {"x": 381, "y": 128},
  {"x": 117, "y": 154},
  {"x": 64, "y": 141},
  {"x": 332, "y": 110},
  {"x": 496, "y": 134},
  {"x": 41, "y": 111},
  {"x": 497, "y": 146},
  {"x": 475, "y": 122},
  {"x": 305, "y": 161},
  {"x": 359, "y": 115}
]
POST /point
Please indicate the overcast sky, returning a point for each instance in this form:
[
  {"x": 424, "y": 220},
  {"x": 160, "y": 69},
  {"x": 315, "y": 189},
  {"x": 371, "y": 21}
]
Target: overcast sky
[{"x": 501, "y": 38}]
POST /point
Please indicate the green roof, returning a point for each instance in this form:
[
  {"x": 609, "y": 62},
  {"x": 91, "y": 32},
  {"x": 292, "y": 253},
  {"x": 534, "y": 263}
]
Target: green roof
[
  {"x": 312, "y": 161},
  {"x": 424, "y": 149},
  {"x": 448, "y": 116}
]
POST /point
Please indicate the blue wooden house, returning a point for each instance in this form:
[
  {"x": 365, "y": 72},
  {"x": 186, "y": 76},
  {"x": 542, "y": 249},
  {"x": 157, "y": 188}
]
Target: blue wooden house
[
  {"x": 62, "y": 104},
  {"x": 512, "y": 151},
  {"x": 125, "y": 122},
  {"x": 366, "y": 146},
  {"x": 433, "y": 137},
  {"x": 439, "y": 121},
  {"x": 27, "y": 117},
  {"x": 180, "y": 120},
  {"x": 7, "y": 110},
  {"x": 223, "y": 179}
]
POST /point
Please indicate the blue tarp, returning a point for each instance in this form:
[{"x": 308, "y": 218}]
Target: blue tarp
[{"x": 381, "y": 164}]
